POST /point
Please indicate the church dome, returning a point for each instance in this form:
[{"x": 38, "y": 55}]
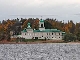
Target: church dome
[
  {"x": 41, "y": 20},
  {"x": 28, "y": 25}
]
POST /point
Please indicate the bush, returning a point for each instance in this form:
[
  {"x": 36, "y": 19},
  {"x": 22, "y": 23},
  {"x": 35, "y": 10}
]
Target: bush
[
  {"x": 69, "y": 37},
  {"x": 78, "y": 38}
]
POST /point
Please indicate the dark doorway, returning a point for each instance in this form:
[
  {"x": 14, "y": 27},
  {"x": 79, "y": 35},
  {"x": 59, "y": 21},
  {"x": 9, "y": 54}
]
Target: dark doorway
[{"x": 36, "y": 38}]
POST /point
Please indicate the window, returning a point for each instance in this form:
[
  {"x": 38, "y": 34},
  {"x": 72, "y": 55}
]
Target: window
[
  {"x": 41, "y": 25},
  {"x": 52, "y": 33},
  {"x": 39, "y": 37},
  {"x": 25, "y": 33},
  {"x": 36, "y": 38},
  {"x": 47, "y": 33},
  {"x": 59, "y": 33},
  {"x": 25, "y": 28},
  {"x": 55, "y": 33}
]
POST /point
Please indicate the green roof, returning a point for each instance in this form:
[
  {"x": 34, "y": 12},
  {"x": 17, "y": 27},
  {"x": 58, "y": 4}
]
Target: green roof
[
  {"x": 28, "y": 25},
  {"x": 48, "y": 30},
  {"x": 24, "y": 30},
  {"x": 36, "y": 31},
  {"x": 41, "y": 20},
  {"x": 63, "y": 33}
]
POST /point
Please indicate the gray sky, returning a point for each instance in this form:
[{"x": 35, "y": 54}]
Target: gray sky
[{"x": 61, "y": 9}]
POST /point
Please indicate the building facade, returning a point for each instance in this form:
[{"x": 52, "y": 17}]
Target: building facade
[{"x": 42, "y": 33}]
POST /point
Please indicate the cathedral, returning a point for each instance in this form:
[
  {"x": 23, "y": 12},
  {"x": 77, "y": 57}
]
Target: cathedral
[{"x": 42, "y": 33}]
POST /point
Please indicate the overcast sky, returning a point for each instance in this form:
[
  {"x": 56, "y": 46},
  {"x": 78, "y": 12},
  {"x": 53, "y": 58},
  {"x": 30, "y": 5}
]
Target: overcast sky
[{"x": 60, "y": 9}]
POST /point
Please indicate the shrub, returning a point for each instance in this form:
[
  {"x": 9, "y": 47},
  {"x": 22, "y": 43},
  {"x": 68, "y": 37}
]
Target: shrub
[{"x": 69, "y": 37}]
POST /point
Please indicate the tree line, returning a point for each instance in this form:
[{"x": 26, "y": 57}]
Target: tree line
[{"x": 17, "y": 25}]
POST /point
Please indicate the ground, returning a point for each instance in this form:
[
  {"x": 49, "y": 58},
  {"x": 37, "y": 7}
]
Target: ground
[
  {"x": 36, "y": 42},
  {"x": 31, "y": 42}
]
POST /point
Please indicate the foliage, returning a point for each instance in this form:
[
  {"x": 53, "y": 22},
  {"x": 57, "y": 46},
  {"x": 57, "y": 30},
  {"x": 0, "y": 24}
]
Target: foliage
[
  {"x": 78, "y": 36},
  {"x": 69, "y": 37},
  {"x": 17, "y": 25}
]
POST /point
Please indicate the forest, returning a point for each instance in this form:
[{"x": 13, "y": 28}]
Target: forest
[{"x": 17, "y": 25}]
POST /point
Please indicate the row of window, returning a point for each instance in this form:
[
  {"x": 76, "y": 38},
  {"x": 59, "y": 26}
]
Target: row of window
[
  {"x": 42, "y": 36},
  {"x": 47, "y": 34},
  {"x": 52, "y": 33},
  {"x": 49, "y": 37}
]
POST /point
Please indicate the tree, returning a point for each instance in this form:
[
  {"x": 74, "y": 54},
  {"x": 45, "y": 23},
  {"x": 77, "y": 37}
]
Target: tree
[
  {"x": 71, "y": 26},
  {"x": 78, "y": 36},
  {"x": 69, "y": 37}
]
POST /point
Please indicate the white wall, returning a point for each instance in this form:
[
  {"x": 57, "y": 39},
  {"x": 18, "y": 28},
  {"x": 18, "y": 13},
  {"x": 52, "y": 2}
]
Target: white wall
[{"x": 42, "y": 35}]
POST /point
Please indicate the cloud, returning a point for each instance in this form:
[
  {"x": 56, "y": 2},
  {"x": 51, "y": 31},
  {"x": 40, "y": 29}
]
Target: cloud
[
  {"x": 62, "y": 8},
  {"x": 38, "y": 2}
]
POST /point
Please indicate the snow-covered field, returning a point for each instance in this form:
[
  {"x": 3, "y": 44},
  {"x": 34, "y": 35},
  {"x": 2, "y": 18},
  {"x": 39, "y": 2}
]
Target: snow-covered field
[{"x": 48, "y": 51}]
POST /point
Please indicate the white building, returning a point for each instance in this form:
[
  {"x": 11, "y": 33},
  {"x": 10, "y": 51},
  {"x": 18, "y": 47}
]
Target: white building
[{"x": 42, "y": 33}]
